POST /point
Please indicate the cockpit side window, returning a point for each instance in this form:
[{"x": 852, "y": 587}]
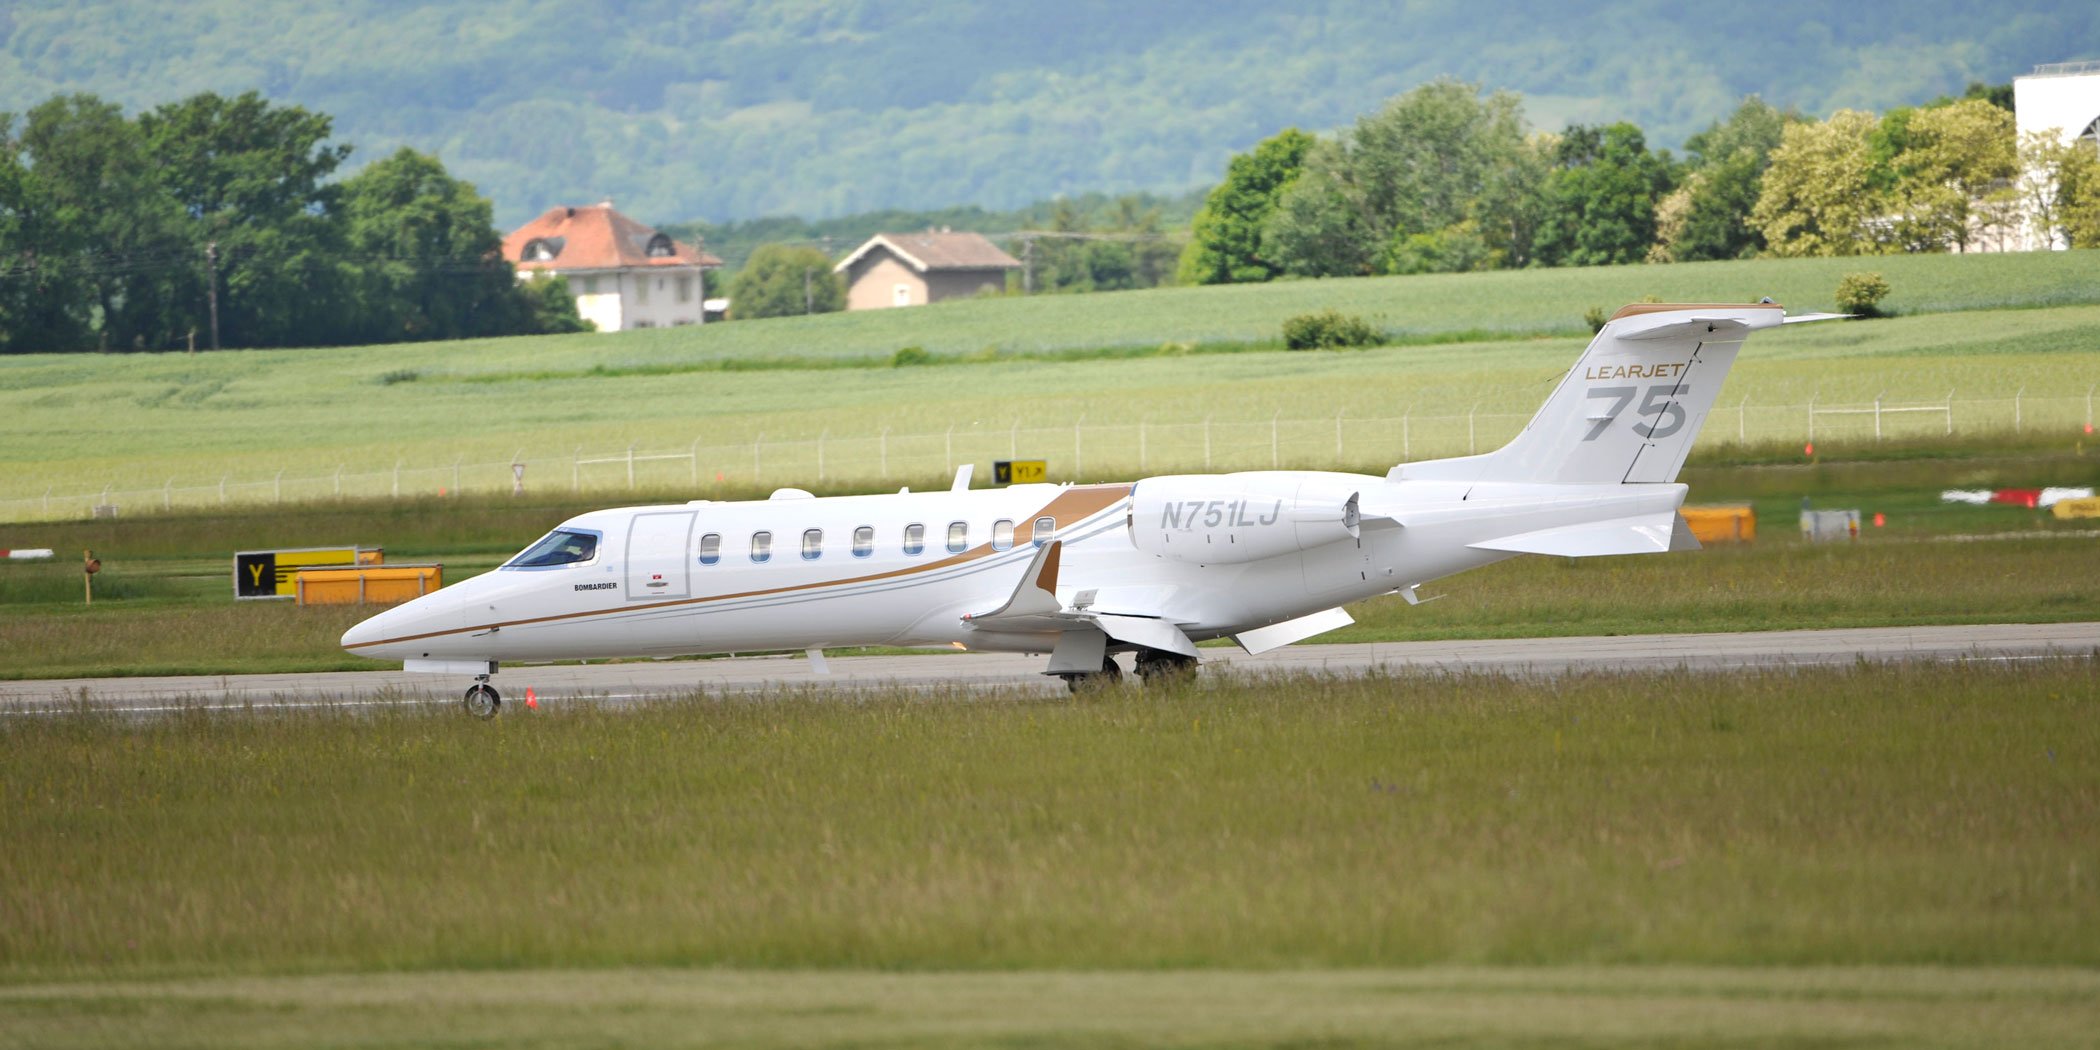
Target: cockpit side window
[{"x": 560, "y": 547}]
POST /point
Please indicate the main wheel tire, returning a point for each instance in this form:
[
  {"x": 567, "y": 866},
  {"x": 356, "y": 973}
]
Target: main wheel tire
[
  {"x": 483, "y": 701},
  {"x": 1107, "y": 677},
  {"x": 1164, "y": 669}
]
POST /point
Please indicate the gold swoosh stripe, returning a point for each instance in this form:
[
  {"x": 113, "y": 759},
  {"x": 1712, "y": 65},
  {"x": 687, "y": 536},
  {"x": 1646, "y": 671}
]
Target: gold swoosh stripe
[{"x": 1075, "y": 504}]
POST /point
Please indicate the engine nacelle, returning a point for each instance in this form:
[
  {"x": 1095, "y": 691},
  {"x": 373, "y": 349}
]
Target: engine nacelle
[{"x": 1221, "y": 519}]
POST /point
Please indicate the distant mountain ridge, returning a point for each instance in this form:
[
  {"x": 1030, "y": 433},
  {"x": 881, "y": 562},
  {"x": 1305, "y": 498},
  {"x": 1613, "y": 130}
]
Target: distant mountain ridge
[{"x": 731, "y": 109}]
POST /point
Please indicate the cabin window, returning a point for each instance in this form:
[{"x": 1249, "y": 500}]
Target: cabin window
[
  {"x": 812, "y": 544},
  {"x": 761, "y": 546},
  {"x": 1045, "y": 531},
  {"x": 864, "y": 541},
  {"x": 1002, "y": 534},
  {"x": 711, "y": 548},
  {"x": 914, "y": 538},
  {"x": 958, "y": 536},
  {"x": 560, "y": 547}
]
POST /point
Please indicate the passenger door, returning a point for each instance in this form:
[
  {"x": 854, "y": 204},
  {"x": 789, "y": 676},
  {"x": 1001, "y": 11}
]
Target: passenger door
[{"x": 657, "y": 542}]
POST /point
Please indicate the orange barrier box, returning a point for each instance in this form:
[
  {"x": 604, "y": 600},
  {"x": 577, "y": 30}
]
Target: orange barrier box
[
  {"x": 2068, "y": 509},
  {"x": 1727, "y": 523},
  {"x": 368, "y": 584}
]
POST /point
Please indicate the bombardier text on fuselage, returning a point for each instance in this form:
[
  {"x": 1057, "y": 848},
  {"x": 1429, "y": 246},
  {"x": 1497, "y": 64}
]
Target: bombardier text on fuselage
[{"x": 1083, "y": 573}]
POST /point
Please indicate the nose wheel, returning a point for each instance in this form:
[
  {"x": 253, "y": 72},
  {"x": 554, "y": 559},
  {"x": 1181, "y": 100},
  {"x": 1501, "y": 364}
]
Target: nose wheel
[{"x": 483, "y": 701}]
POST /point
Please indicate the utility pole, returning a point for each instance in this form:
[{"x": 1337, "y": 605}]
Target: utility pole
[{"x": 211, "y": 295}]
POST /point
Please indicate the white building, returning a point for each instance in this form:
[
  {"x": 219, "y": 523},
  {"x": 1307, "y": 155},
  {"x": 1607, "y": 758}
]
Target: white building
[
  {"x": 2063, "y": 100},
  {"x": 624, "y": 274}
]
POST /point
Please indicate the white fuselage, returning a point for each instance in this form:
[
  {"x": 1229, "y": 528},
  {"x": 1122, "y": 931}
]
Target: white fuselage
[{"x": 682, "y": 579}]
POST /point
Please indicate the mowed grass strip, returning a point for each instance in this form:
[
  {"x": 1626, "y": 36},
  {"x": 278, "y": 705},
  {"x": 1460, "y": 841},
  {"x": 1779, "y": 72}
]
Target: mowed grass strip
[
  {"x": 1571, "y": 1006},
  {"x": 1934, "y": 815}
]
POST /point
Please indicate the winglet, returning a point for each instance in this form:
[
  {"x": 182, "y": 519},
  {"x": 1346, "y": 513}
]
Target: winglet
[{"x": 1037, "y": 593}]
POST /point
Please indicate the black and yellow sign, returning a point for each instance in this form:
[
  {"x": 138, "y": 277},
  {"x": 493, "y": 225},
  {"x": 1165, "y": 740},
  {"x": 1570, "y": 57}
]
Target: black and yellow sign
[
  {"x": 274, "y": 574},
  {"x": 1020, "y": 471}
]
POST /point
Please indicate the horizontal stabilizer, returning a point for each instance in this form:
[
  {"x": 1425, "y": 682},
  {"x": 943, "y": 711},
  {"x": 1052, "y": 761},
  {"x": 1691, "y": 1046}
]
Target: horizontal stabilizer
[{"x": 1641, "y": 534}]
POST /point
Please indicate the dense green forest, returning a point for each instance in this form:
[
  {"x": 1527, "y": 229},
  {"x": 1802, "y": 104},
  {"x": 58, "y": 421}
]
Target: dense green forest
[
  {"x": 734, "y": 109},
  {"x": 218, "y": 221}
]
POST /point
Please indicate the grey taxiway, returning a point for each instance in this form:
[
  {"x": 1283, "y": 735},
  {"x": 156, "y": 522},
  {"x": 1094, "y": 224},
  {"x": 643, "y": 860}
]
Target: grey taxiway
[{"x": 643, "y": 680}]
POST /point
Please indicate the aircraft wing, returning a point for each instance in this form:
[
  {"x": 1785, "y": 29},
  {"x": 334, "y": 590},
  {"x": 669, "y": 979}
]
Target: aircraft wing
[{"x": 1033, "y": 608}]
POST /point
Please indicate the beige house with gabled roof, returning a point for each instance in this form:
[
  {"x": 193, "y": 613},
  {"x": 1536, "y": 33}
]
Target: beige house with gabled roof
[{"x": 912, "y": 269}]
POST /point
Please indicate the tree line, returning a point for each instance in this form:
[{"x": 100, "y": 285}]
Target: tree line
[
  {"x": 1445, "y": 178},
  {"x": 216, "y": 221}
]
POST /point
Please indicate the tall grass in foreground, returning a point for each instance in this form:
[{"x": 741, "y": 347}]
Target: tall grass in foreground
[{"x": 1922, "y": 814}]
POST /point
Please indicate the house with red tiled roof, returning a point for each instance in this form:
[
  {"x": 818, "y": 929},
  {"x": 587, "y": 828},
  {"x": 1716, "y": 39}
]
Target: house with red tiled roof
[
  {"x": 624, "y": 274},
  {"x": 911, "y": 269}
]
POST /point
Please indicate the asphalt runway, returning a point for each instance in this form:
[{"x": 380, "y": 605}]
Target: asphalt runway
[{"x": 627, "y": 682}]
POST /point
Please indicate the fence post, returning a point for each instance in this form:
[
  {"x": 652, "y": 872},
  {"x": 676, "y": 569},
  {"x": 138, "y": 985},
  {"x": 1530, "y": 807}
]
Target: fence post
[
  {"x": 2017, "y": 394},
  {"x": 1078, "y": 453},
  {"x": 1877, "y": 415},
  {"x": 1812, "y": 418},
  {"x": 1742, "y": 436},
  {"x": 1275, "y": 455},
  {"x": 1950, "y": 411}
]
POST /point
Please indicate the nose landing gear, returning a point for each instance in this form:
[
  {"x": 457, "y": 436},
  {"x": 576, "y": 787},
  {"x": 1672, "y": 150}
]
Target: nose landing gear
[{"x": 482, "y": 700}]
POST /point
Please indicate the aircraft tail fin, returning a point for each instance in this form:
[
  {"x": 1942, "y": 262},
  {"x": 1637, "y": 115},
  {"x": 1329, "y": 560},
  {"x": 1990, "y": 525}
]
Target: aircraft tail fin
[{"x": 1629, "y": 409}]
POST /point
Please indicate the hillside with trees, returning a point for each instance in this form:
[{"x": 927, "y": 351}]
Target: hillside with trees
[{"x": 738, "y": 109}]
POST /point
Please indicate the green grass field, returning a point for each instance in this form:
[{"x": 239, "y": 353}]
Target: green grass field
[
  {"x": 1623, "y": 832},
  {"x": 1504, "y": 1007},
  {"x": 189, "y": 422}
]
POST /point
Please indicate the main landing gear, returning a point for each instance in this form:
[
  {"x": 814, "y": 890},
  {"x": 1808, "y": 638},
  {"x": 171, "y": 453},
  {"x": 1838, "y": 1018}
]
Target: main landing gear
[
  {"x": 483, "y": 701},
  {"x": 1159, "y": 668},
  {"x": 1156, "y": 667}
]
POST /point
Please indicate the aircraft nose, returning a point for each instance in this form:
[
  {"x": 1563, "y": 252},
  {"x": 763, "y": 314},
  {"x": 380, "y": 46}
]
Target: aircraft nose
[{"x": 367, "y": 631}]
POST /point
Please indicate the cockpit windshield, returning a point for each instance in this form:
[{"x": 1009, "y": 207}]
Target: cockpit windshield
[{"x": 560, "y": 547}]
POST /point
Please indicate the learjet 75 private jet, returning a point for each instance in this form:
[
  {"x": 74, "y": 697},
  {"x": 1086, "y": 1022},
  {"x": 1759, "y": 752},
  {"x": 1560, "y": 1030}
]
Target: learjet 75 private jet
[{"x": 1083, "y": 573}]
